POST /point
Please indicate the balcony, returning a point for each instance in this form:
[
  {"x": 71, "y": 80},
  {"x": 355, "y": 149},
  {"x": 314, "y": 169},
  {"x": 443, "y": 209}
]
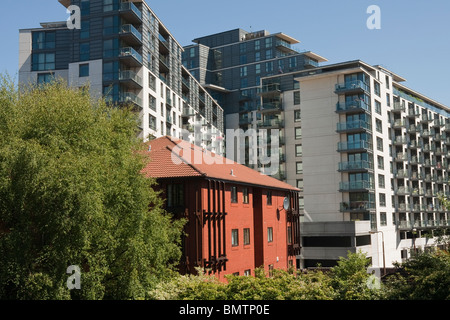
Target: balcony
[
  {"x": 357, "y": 206},
  {"x": 130, "y": 12},
  {"x": 400, "y": 157},
  {"x": 414, "y": 129},
  {"x": 270, "y": 90},
  {"x": 355, "y": 106},
  {"x": 130, "y": 35},
  {"x": 310, "y": 63},
  {"x": 245, "y": 119},
  {"x": 413, "y": 144},
  {"x": 355, "y": 166},
  {"x": 361, "y": 185},
  {"x": 273, "y": 107},
  {"x": 416, "y": 175},
  {"x": 272, "y": 123},
  {"x": 352, "y": 87},
  {"x": 417, "y": 192},
  {"x": 447, "y": 127},
  {"x": 164, "y": 44},
  {"x": 131, "y": 57},
  {"x": 438, "y": 123},
  {"x": 402, "y": 174},
  {"x": 398, "y": 124},
  {"x": 425, "y": 118},
  {"x": 354, "y": 126},
  {"x": 416, "y": 160},
  {"x": 399, "y": 140},
  {"x": 413, "y": 113},
  {"x": 398, "y": 107},
  {"x": 422, "y": 224},
  {"x": 403, "y": 191},
  {"x": 130, "y": 79},
  {"x": 355, "y": 146},
  {"x": 188, "y": 112},
  {"x": 130, "y": 97},
  {"x": 164, "y": 64}
]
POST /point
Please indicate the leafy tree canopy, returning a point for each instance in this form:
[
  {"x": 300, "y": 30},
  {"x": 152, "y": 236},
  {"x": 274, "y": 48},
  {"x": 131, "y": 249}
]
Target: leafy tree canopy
[{"x": 71, "y": 193}]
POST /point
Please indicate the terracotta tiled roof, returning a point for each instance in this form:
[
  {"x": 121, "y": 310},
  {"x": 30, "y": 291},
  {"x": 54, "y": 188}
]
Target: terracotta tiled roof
[{"x": 173, "y": 158}]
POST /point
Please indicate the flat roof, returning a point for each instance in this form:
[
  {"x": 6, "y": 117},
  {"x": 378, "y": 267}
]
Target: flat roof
[
  {"x": 315, "y": 56},
  {"x": 286, "y": 38}
]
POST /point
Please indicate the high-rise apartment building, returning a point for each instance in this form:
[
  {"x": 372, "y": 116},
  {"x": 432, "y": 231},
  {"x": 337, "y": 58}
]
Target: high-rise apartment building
[
  {"x": 127, "y": 55},
  {"x": 371, "y": 158},
  {"x": 368, "y": 154}
]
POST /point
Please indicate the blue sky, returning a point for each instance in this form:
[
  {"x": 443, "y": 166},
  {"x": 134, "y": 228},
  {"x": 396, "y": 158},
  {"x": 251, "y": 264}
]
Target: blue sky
[{"x": 414, "y": 39}]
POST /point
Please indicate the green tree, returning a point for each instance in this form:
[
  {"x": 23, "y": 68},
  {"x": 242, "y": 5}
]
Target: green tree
[
  {"x": 71, "y": 193},
  {"x": 351, "y": 280},
  {"x": 426, "y": 276}
]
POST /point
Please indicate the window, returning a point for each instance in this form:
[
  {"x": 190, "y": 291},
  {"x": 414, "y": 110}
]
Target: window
[
  {"x": 300, "y": 184},
  {"x": 43, "y": 40},
  {"x": 151, "y": 122},
  {"x": 297, "y": 115},
  {"x": 379, "y": 125},
  {"x": 246, "y": 236},
  {"x": 85, "y": 32},
  {"x": 234, "y": 237},
  {"x": 292, "y": 62},
  {"x": 234, "y": 198},
  {"x": 44, "y": 78},
  {"x": 377, "y": 107},
  {"x": 245, "y": 195},
  {"x": 388, "y": 99},
  {"x": 243, "y": 71},
  {"x": 269, "y": 197},
  {"x": 387, "y": 82},
  {"x": 380, "y": 161},
  {"x": 382, "y": 199},
  {"x": 85, "y": 49},
  {"x": 298, "y": 133},
  {"x": 269, "y": 54},
  {"x": 243, "y": 59},
  {"x": 296, "y": 97},
  {"x": 258, "y": 68},
  {"x": 83, "y": 70},
  {"x": 152, "y": 82},
  {"x": 289, "y": 235},
  {"x": 379, "y": 144},
  {"x": 43, "y": 61},
  {"x": 381, "y": 181},
  {"x": 257, "y": 45},
  {"x": 110, "y": 5},
  {"x": 383, "y": 219},
  {"x": 110, "y": 48},
  {"x": 247, "y": 273},
  {"x": 175, "y": 195},
  {"x": 377, "y": 88},
  {"x": 85, "y": 7},
  {"x": 243, "y": 47},
  {"x": 268, "y": 42},
  {"x": 269, "y": 234},
  {"x": 299, "y": 167},
  {"x": 298, "y": 150},
  {"x": 269, "y": 66}
]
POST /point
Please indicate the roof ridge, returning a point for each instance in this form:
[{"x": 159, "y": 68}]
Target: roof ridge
[{"x": 182, "y": 159}]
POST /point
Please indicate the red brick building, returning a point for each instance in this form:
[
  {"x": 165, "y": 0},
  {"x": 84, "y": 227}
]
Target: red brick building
[{"x": 236, "y": 217}]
